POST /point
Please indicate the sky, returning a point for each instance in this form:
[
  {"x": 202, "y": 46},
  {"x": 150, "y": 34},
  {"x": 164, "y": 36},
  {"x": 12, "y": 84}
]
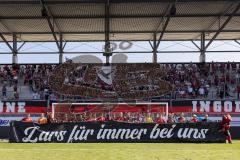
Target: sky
[{"x": 132, "y": 57}]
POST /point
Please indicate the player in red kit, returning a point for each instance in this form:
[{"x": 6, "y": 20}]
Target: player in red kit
[
  {"x": 181, "y": 119},
  {"x": 226, "y": 119},
  {"x": 101, "y": 118},
  {"x": 119, "y": 118},
  {"x": 160, "y": 119},
  {"x": 194, "y": 118}
]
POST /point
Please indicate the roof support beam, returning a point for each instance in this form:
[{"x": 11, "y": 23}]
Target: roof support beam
[
  {"x": 6, "y": 42},
  {"x": 15, "y": 50},
  {"x": 21, "y": 46},
  {"x": 202, "y": 57},
  {"x": 162, "y": 17},
  {"x": 196, "y": 45},
  {"x": 154, "y": 48},
  {"x": 155, "y": 43},
  {"x": 49, "y": 12},
  {"x": 51, "y": 26},
  {"x": 64, "y": 45},
  {"x": 150, "y": 43},
  {"x": 163, "y": 31},
  {"x": 218, "y": 18},
  {"x": 168, "y": 14},
  {"x": 223, "y": 25},
  {"x": 237, "y": 42},
  {"x": 61, "y": 51},
  {"x": 107, "y": 48}
]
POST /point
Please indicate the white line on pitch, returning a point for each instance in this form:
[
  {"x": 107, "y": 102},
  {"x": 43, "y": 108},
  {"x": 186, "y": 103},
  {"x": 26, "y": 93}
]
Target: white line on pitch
[{"x": 84, "y": 149}]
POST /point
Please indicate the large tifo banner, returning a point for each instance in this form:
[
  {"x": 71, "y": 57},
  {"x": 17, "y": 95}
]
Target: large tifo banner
[{"x": 86, "y": 132}]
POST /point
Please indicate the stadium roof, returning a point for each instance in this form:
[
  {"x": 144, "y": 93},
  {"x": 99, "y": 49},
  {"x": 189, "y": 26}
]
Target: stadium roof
[{"x": 84, "y": 20}]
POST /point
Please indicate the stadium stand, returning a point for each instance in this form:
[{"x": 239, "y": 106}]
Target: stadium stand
[{"x": 131, "y": 81}]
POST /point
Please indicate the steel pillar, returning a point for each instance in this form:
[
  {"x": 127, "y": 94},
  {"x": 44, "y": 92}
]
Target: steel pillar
[
  {"x": 15, "y": 50},
  {"x": 202, "y": 57}
]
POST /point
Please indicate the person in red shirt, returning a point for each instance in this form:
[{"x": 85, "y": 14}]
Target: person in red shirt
[
  {"x": 226, "y": 119},
  {"x": 171, "y": 118},
  {"x": 27, "y": 119},
  {"x": 160, "y": 119},
  {"x": 119, "y": 118},
  {"x": 181, "y": 119},
  {"x": 49, "y": 117},
  {"x": 194, "y": 118},
  {"x": 91, "y": 118},
  {"x": 101, "y": 118}
]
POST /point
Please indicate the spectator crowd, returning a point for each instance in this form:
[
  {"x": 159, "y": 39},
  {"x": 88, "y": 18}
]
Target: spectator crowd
[
  {"x": 128, "y": 81},
  {"x": 130, "y": 117},
  {"x": 18, "y": 80}
]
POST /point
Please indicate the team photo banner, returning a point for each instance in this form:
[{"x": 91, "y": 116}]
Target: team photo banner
[{"x": 94, "y": 132}]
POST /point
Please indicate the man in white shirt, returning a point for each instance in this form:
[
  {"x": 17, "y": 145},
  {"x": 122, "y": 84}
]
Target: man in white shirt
[
  {"x": 201, "y": 91},
  {"x": 35, "y": 95},
  {"x": 190, "y": 90}
]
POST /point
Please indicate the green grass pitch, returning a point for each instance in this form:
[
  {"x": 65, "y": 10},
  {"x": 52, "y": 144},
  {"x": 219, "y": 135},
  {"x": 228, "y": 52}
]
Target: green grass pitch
[{"x": 120, "y": 151}]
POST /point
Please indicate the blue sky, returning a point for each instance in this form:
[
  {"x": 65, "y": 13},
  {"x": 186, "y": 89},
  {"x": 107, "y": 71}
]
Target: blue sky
[{"x": 136, "y": 57}]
